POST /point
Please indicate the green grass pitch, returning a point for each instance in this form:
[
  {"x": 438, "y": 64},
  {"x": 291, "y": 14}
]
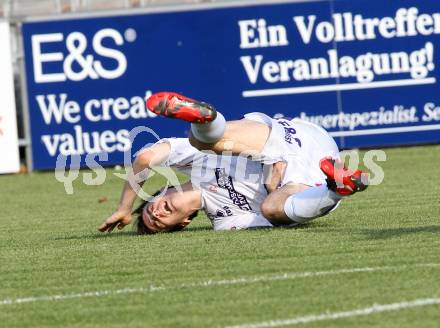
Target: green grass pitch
[{"x": 56, "y": 270}]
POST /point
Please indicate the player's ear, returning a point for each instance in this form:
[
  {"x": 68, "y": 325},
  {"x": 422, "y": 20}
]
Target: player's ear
[
  {"x": 189, "y": 219},
  {"x": 185, "y": 222}
]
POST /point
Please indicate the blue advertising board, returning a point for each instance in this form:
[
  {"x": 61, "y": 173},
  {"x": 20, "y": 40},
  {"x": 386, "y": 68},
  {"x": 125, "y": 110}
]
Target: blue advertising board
[{"x": 367, "y": 71}]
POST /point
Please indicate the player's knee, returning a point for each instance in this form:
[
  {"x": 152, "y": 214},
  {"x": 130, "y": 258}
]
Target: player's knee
[
  {"x": 198, "y": 144},
  {"x": 271, "y": 210}
]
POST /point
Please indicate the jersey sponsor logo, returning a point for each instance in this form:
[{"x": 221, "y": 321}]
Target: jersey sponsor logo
[{"x": 225, "y": 181}]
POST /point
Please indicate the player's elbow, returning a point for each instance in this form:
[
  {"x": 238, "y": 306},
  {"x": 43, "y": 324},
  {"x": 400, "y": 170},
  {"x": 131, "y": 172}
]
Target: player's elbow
[{"x": 144, "y": 158}]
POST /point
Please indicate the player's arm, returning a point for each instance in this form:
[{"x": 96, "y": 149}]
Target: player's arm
[
  {"x": 275, "y": 176},
  {"x": 148, "y": 158}
]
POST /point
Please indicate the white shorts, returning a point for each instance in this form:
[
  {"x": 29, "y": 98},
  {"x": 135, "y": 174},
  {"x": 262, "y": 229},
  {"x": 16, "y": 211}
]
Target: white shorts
[{"x": 300, "y": 144}]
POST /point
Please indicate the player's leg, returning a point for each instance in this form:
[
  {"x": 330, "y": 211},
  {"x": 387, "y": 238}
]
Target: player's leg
[
  {"x": 298, "y": 203},
  {"x": 242, "y": 137},
  {"x": 209, "y": 129}
]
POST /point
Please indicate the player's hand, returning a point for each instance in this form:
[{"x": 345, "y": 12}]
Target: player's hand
[
  {"x": 274, "y": 179},
  {"x": 119, "y": 219}
]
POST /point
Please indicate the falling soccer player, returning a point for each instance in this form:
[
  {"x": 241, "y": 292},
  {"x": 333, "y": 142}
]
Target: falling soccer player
[
  {"x": 314, "y": 180},
  {"x": 307, "y": 180}
]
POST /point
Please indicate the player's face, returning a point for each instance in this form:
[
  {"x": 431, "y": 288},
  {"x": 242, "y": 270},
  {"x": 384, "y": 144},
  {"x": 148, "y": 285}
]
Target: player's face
[{"x": 167, "y": 212}]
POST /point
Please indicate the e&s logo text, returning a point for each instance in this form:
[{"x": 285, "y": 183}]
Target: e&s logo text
[{"x": 102, "y": 58}]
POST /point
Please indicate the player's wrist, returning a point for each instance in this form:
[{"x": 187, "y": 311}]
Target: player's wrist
[{"x": 124, "y": 208}]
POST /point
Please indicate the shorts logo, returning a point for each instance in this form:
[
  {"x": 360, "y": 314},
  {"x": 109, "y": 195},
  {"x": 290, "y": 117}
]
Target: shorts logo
[
  {"x": 225, "y": 181},
  {"x": 289, "y": 132}
]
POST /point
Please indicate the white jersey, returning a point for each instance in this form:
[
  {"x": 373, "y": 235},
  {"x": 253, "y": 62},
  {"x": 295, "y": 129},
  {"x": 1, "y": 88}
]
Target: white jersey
[{"x": 232, "y": 187}]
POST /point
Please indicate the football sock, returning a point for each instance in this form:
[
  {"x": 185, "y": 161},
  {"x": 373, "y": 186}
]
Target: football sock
[
  {"x": 209, "y": 132},
  {"x": 310, "y": 203}
]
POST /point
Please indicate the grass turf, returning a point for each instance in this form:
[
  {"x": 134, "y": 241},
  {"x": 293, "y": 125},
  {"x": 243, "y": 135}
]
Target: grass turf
[{"x": 49, "y": 246}]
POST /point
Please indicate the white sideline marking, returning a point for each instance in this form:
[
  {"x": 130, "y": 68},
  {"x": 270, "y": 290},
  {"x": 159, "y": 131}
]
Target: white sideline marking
[
  {"x": 208, "y": 283},
  {"x": 79, "y": 295},
  {"x": 376, "y": 308},
  {"x": 337, "y": 87}
]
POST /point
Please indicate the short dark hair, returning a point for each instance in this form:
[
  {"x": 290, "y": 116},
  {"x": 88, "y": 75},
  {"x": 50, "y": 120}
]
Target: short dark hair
[{"x": 142, "y": 229}]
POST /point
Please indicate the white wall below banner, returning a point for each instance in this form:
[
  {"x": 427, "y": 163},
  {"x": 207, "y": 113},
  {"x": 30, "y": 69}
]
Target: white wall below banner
[{"x": 9, "y": 155}]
